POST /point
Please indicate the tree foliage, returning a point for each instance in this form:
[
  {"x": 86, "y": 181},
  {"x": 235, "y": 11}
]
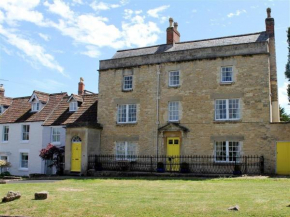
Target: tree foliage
[
  {"x": 287, "y": 69},
  {"x": 283, "y": 115}
]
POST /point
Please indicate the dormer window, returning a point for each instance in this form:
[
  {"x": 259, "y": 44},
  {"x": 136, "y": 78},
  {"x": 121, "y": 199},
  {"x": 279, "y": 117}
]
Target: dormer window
[
  {"x": 35, "y": 106},
  {"x": 73, "y": 106},
  {"x": 1, "y": 109}
]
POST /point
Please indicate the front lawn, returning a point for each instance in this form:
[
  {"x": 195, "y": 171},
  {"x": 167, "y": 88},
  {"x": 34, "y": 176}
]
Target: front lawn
[{"x": 152, "y": 197}]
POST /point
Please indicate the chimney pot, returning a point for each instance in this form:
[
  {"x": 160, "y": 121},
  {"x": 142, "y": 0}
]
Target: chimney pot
[
  {"x": 81, "y": 89},
  {"x": 269, "y": 12},
  {"x": 270, "y": 23},
  {"x": 173, "y": 35},
  {"x": 175, "y": 25},
  {"x": 2, "y": 90},
  {"x": 170, "y": 21}
]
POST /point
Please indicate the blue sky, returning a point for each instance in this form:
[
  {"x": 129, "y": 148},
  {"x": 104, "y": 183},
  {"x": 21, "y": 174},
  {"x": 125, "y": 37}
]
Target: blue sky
[{"x": 48, "y": 45}]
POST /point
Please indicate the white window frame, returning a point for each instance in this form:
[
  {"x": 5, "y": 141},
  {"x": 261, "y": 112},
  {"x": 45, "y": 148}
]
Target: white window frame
[
  {"x": 126, "y": 148},
  {"x": 55, "y": 134},
  {"x": 20, "y": 161},
  {"x": 171, "y": 80},
  {"x": 228, "y": 110},
  {"x": 227, "y": 156},
  {"x": 35, "y": 106},
  {"x": 124, "y": 83},
  {"x": 73, "y": 106},
  {"x": 222, "y": 72},
  {"x": 5, "y": 133},
  {"x": 171, "y": 117},
  {"x": 127, "y": 114},
  {"x": 25, "y": 132}
]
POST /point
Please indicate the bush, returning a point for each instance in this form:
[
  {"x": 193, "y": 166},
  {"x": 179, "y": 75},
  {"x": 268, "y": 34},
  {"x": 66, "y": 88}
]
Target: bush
[{"x": 6, "y": 173}]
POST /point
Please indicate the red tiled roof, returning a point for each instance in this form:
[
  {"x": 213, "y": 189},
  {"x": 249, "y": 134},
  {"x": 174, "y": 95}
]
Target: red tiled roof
[
  {"x": 86, "y": 113},
  {"x": 5, "y": 100},
  {"x": 20, "y": 109},
  {"x": 42, "y": 97}
]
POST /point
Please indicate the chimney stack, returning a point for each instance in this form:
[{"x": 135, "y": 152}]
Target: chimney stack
[
  {"x": 173, "y": 35},
  {"x": 2, "y": 90},
  {"x": 273, "y": 68},
  {"x": 81, "y": 87}
]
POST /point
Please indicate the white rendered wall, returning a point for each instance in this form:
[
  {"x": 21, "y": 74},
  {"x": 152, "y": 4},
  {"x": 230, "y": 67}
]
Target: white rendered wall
[{"x": 15, "y": 146}]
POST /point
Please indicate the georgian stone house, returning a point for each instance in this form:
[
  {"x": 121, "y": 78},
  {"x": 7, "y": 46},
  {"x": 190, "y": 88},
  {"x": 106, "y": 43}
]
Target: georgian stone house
[{"x": 207, "y": 97}]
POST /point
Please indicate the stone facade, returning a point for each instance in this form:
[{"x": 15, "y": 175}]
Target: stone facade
[{"x": 199, "y": 74}]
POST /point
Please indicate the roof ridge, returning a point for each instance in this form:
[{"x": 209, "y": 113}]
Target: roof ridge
[
  {"x": 232, "y": 36},
  {"x": 37, "y": 91},
  {"x": 61, "y": 93}
]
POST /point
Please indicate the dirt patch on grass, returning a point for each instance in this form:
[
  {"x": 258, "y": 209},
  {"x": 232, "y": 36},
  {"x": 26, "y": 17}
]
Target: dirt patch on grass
[{"x": 71, "y": 189}]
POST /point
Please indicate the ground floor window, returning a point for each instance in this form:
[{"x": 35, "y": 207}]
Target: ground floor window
[
  {"x": 24, "y": 160},
  {"x": 227, "y": 151},
  {"x": 126, "y": 151},
  {"x": 5, "y": 158}
]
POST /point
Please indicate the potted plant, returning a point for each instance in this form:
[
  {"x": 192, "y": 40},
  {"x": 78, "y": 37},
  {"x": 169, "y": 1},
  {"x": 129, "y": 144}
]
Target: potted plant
[
  {"x": 237, "y": 170},
  {"x": 184, "y": 167},
  {"x": 160, "y": 167}
]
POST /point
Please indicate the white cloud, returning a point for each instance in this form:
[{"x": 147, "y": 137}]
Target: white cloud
[
  {"x": 163, "y": 19},
  {"x": 60, "y": 8},
  {"x": 32, "y": 50},
  {"x": 6, "y": 50},
  {"x": 44, "y": 37},
  {"x": 238, "y": 13},
  {"x": 154, "y": 12},
  {"x": 103, "y": 6},
  {"x": 283, "y": 97},
  {"x": 92, "y": 52},
  {"x": 78, "y": 1},
  {"x": 21, "y": 10}
]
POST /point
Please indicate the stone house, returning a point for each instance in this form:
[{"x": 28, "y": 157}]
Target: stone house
[{"x": 208, "y": 97}]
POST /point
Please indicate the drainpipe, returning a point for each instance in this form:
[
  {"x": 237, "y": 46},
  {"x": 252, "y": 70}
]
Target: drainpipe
[{"x": 158, "y": 67}]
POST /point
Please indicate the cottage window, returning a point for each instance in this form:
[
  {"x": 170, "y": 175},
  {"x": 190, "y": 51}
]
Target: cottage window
[
  {"x": 227, "y": 109},
  {"x": 1, "y": 109},
  {"x": 35, "y": 106},
  {"x": 227, "y": 74},
  {"x": 55, "y": 135},
  {"x": 25, "y": 132},
  {"x": 5, "y": 133},
  {"x": 173, "y": 111},
  {"x": 227, "y": 151},
  {"x": 127, "y": 113},
  {"x": 174, "y": 79},
  {"x": 5, "y": 158},
  {"x": 128, "y": 82},
  {"x": 23, "y": 160},
  {"x": 126, "y": 151},
  {"x": 73, "y": 106}
]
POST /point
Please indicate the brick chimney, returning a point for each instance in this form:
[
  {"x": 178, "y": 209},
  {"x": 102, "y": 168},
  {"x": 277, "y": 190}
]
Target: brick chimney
[
  {"x": 270, "y": 24},
  {"x": 81, "y": 87},
  {"x": 173, "y": 35},
  {"x": 2, "y": 90}
]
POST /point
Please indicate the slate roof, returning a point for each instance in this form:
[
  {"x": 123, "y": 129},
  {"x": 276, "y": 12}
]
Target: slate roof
[
  {"x": 20, "y": 109},
  {"x": 86, "y": 115},
  {"x": 189, "y": 45}
]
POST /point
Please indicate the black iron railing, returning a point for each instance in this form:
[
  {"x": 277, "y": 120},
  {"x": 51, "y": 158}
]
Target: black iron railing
[{"x": 186, "y": 164}]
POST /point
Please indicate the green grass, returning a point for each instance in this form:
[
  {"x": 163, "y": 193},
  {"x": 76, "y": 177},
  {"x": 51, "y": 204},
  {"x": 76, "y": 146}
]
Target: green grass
[{"x": 152, "y": 197}]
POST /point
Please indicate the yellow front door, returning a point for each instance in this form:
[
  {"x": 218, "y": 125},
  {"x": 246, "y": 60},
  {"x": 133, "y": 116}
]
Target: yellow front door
[
  {"x": 76, "y": 157},
  {"x": 173, "y": 153},
  {"x": 283, "y": 158}
]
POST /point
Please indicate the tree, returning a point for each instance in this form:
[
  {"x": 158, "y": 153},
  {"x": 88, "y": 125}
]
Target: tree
[
  {"x": 55, "y": 154},
  {"x": 283, "y": 115},
  {"x": 287, "y": 70}
]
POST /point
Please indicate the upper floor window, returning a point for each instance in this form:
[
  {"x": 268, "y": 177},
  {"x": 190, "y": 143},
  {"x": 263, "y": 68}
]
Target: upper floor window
[
  {"x": 127, "y": 113},
  {"x": 227, "y": 109},
  {"x": 55, "y": 135},
  {"x": 35, "y": 106},
  {"x": 25, "y": 132},
  {"x": 227, "y": 151},
  {"x": 173, "y": 111},
  {"x": 227, "y": 74},
  {"x": 73, "y": 106},
  {"x": 126, "y": 151},
  {"x": 128, "y": 82},
  {"x": 5, "y": 133},
  {"x": 174, "y": 79}
]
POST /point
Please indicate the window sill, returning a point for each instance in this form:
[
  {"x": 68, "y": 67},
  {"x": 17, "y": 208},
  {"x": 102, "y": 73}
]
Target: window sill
[
  {"x": 129, "y": 90},
  {"x": 122, "y": 124},
  {"x": 24, "y": 141},
  {"x": 174, "y": 121},
  {"x": 175, "y": 87},
  {"x": 23, "y": 169},
  {"x": 226, "y": 83},
  {"x": 226, "y": 121},
  {"x": 56, "y": 143},
  {"x": 4, "y": 142}
]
